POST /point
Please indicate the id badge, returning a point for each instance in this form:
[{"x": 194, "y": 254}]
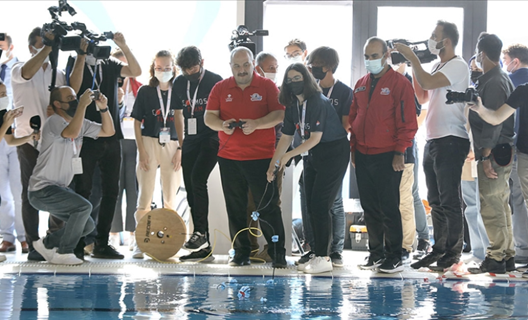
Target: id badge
[
  {"x": 77, "y": 166},
  {"x": 164, "y": 135},
  {"x": 304, "y": 154},
  {"x": 128, "y": 128},
  {"x": 192, "y": 126}
]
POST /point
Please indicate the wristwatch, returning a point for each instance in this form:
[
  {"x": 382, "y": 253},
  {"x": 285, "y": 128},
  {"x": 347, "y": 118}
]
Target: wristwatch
[
  {"x": 484, "y": 158},
  {"x": 398, "y": 153},
  {"x": 103, "y": 110}
]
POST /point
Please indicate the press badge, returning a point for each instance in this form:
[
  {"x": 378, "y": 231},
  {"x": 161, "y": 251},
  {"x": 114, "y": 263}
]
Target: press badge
[
  {"x": 164, "y": 135},
  {"x": 192, "y": 126},
  {"x": 77, "y": 166},
  {"x": 304, "y": 154}
]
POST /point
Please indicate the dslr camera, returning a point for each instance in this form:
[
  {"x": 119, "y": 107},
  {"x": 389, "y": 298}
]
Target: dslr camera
[
  {"x": 470, "y": 95},
  {"x": 240, "y": 38},
  {"x": 419, "y": 48}
]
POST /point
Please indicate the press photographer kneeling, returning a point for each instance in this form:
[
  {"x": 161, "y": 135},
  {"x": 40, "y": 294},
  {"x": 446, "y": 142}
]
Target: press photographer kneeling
[{"x": 57, "y": 163}]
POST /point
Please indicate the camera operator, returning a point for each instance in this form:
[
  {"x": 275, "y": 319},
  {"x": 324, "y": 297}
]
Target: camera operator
[
  {"x": 250, "y": 101},
  {"x": 447, "y": 141},
  {"x": 104, "y": 153},
  {"x": 493, "y": 150},
  {"x": 200, "y": 146},
  {"x": 379, "y": 137},
  {"x": 58, "y": 162},
  {"x": 30, "y": 81},
  {"x": 516, "y": 64}
]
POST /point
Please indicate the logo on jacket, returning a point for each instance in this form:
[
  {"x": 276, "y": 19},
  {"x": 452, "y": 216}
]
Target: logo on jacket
[
  {"x": 360, "y": 89},
  {"x": 385, "y": 91},
  {"x": 317, "y": 123},
  {"x": 229, "y": 99},
  {"x": 256, "y": 97}
]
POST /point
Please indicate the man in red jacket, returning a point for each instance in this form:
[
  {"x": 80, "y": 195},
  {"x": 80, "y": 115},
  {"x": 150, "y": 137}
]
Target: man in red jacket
[{"x": 383, "y": 124}]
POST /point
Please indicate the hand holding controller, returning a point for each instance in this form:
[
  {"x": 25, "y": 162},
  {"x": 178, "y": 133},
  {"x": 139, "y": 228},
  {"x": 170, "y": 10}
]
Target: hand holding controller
[{"x": 238, "y": 124}]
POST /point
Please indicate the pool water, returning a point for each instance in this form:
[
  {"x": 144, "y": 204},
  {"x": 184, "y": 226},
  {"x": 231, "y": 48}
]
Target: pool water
[{"x": 46, "y": 296}]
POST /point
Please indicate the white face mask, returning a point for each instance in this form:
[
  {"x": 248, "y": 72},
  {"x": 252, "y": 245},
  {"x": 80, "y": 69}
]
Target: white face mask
[
  {"x": 4, "y": 103},
  {"x": 5, "y": 56},
  {"x": 431, "y": 45},
  {"x": 38, "y": 51},
  {"x": 374, "y": 66},
  {"x": 271, "y": 76},
  {"x": 295, "y": 59},
  {"x": 163, "y": 76}
]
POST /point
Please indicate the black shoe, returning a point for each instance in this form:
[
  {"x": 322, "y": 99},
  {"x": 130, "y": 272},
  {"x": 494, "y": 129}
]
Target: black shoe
[
  {"x": 239, "y": 261},
  {"x": 280, "y": 263},
  {"x": 305, "y": 258},
  {"x": 337, "y": 259},
  {"x": 106, "y": 252},
  {"x": 371, "y": 263},
  {"x": 405, "y": 257},
  {"x": 33, "y": 255},
  {"x": 423, "y": 245},
  {"x": 197, "y": 242},
  {"x": 447, "y": 261},
  {"x": 490, "y": 265},
  {"x": 391, "y": 265},
  {"x": 203, "y": 255},
  {"x": 78, "y": 251},
  {"x": 510, "y": 264},
  {"x": 428, "y": 260}
]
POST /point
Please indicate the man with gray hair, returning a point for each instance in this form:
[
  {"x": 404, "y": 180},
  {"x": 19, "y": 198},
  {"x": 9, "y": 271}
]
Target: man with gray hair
[
  {"x": 245, "y": 109},
  {"x": 266, "y": 65}
]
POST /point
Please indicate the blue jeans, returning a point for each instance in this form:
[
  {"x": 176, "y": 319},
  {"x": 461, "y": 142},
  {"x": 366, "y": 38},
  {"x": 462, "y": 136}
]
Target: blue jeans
[
  {"x": 66, "y": 205},
  {"x": 477, "y": 231},
  {"x": 419, "y": 210}
]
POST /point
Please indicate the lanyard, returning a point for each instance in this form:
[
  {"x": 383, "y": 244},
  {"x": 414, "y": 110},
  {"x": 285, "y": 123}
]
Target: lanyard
[
  {"x": 331, "y": 89},
  {"x": 74, "y": 147},
  {"x": 193, "y": 103},
  {"x": 94, "y": 74},
  {"x": 165, "y": 109},
  {"x": 303, "y": 118}
]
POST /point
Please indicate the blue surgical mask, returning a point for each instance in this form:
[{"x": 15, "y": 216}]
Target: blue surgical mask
[{"x": 374, "y": 66}]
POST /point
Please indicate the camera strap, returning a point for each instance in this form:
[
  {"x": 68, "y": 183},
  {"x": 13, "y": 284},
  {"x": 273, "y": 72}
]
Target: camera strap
[
  {"x": 164, "y": 109},
  {"x": 440, "y": 66},
  {"x": 193, "y": 102},
  {"x": 94, "y": 74}
]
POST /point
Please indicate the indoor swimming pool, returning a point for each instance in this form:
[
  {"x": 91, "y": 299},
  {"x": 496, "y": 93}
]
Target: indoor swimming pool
[{"x": 76, "y": 296}]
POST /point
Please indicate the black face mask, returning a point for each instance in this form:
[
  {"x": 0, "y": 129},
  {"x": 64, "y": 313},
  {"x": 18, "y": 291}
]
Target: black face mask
[
  {"x": 318, "y": 73},
  {"x": 73, "y": 107},
  {"x": 475, "y": 75},
  {"x": 297, "y": 88},
  {"x": 193, "y": 77}
]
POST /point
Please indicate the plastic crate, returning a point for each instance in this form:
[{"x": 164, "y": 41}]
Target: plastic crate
[{"x": 359, "y": 238}]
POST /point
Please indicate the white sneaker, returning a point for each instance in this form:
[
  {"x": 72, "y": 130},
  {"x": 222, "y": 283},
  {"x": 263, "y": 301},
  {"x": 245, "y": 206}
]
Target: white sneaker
[
  {"x": 319, "y": 265},
  {"x": 44, "y": 252},
  {"x": 137, "y": 254},
  {"x": 2, "y": 258},
  {"x": 132, "y": 242},
  {"x": 66, "y": 258},
  {"x": 302, "y": 263}
]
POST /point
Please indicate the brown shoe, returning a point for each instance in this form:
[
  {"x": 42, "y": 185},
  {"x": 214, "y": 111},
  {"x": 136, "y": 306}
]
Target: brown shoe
[
  {"x": 25, "y": 247},
  {"x": 7, "y": 246}
]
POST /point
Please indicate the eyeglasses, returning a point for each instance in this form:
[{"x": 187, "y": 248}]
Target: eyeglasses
[
  {"x": 294, "y": 54},
  {"x": 163, "y": 69},
  {"x": 294, "y": 79}
]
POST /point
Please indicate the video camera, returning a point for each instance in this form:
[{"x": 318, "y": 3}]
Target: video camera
[
  {"x": 240, "y": 38},
  {"x": 423, "y": 54},
  {"x": 470, "y": 95},
  {"x": 72, "y": 43}
]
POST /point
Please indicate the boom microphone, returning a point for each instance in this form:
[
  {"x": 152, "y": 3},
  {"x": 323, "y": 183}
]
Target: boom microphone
[{"x": 35, "y": 124}]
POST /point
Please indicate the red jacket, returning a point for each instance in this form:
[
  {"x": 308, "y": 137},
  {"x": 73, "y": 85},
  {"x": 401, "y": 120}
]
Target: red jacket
[{"x": 387, "y": 121}]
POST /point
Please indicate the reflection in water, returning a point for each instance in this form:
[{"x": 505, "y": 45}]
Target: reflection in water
[{"x": 81, "y": 297}]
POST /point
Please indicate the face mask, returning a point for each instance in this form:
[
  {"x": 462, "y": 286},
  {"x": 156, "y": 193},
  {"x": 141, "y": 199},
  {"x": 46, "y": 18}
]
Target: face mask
[
  {"x": 431, "y": 45},
  {"x": 38, "y": 51},
  {"x": 374, "y": 66},
  {"x": 193, "y": 77},
  {"x": 318, "y": 73},
  {"x": 5, "y": 56},
  {"x": 163, "y": 76},
  {"x": 478, "y": 61},
  {"x": 73, "y": 107},
  {"x": 297, "y": 88},
  {"x": 509, "y": 68},
  {"x": 475, "y": 75},
  {"x": 271, "y": 76},
  {"x": 4, "y": 103},
  {"x": 295, "y": 59}
]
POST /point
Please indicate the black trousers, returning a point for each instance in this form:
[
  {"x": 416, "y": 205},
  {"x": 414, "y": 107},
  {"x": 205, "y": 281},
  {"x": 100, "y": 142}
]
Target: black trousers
[
  {"x": 27, "y": 156},
  {"x": 443, "y": 161},
  {"x": 324, "y": 170},
  {"x": 379, "y": 193},
  {"x": 198, "y": 160},
  {"x": 106, "y": 154},
  {"x": 237, "y": 178},
  {"x": 128, "y": 185}
]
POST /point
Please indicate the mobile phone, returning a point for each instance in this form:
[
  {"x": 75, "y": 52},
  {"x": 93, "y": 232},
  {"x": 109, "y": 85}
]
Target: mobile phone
[{"x": 96, "y": 94}]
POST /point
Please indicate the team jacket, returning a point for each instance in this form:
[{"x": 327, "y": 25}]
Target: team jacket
[{"x": 386, "y": 121}]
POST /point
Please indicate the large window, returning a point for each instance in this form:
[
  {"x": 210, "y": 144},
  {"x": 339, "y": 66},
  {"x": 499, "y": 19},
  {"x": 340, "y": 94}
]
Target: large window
[{"x": 507, "y": 19}]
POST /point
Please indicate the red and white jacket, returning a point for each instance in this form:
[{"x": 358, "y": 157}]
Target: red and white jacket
[{"x": 386, "y": 121}]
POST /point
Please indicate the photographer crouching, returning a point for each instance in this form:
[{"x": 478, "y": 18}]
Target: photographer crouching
[{"x": 57, "y": 163}]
